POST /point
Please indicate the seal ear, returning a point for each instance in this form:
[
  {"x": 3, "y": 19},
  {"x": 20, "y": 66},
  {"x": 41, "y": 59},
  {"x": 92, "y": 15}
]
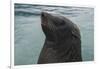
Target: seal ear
[{"x": 76, "y": 34}]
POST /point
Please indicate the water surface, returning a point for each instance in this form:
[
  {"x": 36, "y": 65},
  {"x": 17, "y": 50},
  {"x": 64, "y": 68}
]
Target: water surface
[{"x": 29, "y": 38}]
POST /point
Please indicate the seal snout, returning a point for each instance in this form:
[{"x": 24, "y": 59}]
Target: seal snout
[
  {"x": 44, "y": 14},
  {"x": 44, "y": 19}
]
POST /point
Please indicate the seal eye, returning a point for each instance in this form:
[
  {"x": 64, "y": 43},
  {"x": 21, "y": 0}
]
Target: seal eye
[{"x": 61, "y": 23}]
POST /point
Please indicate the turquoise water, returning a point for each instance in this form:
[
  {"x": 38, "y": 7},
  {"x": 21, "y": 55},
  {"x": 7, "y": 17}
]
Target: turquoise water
[{"x": 29, "y": 38}]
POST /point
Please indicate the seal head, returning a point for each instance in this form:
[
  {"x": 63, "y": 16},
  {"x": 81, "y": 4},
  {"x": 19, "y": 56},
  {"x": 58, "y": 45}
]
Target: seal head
[{"x": 58, "y": 27}]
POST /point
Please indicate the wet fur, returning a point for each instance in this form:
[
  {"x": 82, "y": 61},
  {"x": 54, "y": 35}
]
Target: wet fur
[{"x": 63, "y": 40}]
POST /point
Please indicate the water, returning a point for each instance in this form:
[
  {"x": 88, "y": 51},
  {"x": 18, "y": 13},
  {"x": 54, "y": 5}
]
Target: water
[{"x": 29, "y": 38}]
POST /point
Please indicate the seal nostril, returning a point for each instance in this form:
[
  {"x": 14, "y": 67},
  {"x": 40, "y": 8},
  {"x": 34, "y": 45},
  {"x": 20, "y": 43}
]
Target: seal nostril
[{"x": 42, "y": 14}]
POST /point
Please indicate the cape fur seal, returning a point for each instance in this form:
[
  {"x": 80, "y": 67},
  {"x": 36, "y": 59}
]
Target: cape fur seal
[{"x": 63, "y": 40}]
